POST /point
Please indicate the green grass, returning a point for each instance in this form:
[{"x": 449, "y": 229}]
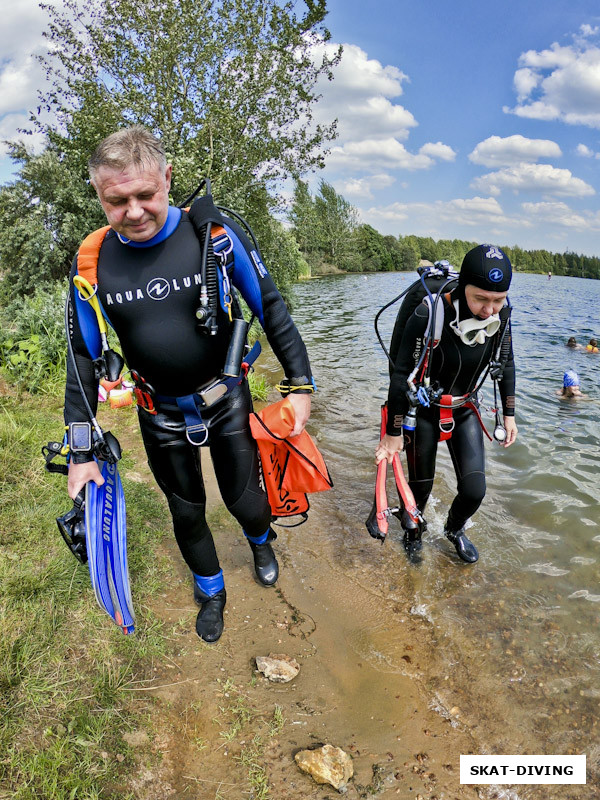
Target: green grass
[
  {"x": 64, "y": 666},
  {"x": 240, "y": 721},
  {"x": 259, "y": 386}
]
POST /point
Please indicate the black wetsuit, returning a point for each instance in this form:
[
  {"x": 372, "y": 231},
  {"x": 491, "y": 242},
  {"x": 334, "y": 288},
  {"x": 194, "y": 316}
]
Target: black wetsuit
[
  {"x": 456, "y": 368},
  {"x": 150, "y": 295}
]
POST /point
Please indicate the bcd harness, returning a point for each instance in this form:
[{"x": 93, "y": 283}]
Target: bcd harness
[
  {"x": 217, "y": 246},
  {"x": 420, "y": 391}
]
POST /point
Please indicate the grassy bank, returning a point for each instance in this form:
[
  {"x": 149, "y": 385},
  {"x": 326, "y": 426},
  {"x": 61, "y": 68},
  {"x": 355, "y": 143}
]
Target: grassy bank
[{"x": 66, "y": 672}]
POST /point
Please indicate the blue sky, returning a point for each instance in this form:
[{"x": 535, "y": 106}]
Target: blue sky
[
  {"x": 464, "y": 119},
  {"x": 487, "y": 123}
]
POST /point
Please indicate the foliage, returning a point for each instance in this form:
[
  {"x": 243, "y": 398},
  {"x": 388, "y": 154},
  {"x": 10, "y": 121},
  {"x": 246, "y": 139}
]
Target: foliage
[
  {"x": 227, "y": 84},
  {"x": 326, "y": 230},
  {"x": 32, "y": 340},
  {"x": 305, "y": 222},
  {"x": 44, "y": 215},
  {"x": 328, "y": 234},
  {"x": 63, "y": 664},
  {"x": 337, "y": 220},
  {"x": 259, "y": 386},
  {"x": 324, "y": 227}
]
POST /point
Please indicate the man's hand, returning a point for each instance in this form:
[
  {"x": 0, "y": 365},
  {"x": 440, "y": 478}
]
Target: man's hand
[
  {"x": 510, "y": 426},
  {"x": 301, "y": 405},
  {"x": 80, "y": 474},
  {"x": 388, "y": 447}
]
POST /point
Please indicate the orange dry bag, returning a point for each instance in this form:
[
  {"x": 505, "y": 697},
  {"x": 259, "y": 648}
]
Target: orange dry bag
[{"x": 291, "y": 467}]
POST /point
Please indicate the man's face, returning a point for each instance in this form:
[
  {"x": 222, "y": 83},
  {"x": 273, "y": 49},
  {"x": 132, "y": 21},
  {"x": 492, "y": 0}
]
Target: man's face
[
  {"x": 483, "y": 304},
  {"x": 135, "y": 199}
]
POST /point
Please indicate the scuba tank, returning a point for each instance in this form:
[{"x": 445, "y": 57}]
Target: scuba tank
[{"x": 440, "y": 277}]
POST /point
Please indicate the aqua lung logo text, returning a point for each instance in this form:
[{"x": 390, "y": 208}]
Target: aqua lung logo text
[
  {"x": 495, "y": 275},
  {"x": 417, "y": 351},
  {"x": 108, "y": 509},
  {"x": 156, "y": 289},
  {"x": 260, "y": 267}
]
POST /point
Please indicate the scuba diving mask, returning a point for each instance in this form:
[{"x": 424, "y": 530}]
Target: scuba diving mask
[{"x": 475, "y": 331}]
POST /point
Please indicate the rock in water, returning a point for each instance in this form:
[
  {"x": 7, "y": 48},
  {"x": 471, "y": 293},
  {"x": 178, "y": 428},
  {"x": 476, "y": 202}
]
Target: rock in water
[
  {"x": 278, "y": 668},
  {"x": 327, "y": 764}
]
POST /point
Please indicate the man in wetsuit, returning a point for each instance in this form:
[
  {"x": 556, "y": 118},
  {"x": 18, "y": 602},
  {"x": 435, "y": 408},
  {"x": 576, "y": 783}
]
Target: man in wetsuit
[
  {"x": 148, "y": 270},
  {"x": 469, "y": 340}
]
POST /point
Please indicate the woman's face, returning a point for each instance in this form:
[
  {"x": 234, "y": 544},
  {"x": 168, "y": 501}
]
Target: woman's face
[{"x": 483, "y": 304}]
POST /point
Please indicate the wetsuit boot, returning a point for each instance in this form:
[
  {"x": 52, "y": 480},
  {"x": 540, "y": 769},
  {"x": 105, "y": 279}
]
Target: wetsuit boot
[
  {"x": 464, "y": 546},
  {"x": 211, "y": 596},
  {"x": 411, "y": 540},
  {"x": 265, "y": 563}
]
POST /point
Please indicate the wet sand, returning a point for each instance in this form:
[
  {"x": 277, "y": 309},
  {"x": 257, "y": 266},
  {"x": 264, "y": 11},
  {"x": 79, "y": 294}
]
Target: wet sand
[{"x": 329, "y": 615}]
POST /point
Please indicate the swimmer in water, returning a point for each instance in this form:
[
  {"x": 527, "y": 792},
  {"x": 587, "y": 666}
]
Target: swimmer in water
[{"x": 570, "y": 390}]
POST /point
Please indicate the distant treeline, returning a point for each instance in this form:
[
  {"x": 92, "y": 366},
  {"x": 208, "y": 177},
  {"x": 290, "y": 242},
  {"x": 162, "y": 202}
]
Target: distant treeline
[{"x": 331, "y": 239}]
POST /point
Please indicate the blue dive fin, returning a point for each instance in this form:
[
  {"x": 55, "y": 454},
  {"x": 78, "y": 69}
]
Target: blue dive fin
[{"x": 106, "y": 539}]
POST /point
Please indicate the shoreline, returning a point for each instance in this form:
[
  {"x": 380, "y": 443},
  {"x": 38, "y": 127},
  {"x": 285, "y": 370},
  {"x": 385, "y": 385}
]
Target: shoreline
[{"x": 402, "y": 742}]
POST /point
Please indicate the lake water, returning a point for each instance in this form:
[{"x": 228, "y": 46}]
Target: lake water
[{"x": 516, "y": 641}]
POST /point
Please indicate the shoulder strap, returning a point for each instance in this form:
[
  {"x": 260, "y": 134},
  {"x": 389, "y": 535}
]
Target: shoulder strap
[
  {"x": 87, "y": 255},
  {"x": 439, "y": 316}
]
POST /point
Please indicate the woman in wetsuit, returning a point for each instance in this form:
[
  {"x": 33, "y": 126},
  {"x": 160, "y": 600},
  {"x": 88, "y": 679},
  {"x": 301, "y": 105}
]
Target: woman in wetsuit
[{"x": 469, "y": 340}]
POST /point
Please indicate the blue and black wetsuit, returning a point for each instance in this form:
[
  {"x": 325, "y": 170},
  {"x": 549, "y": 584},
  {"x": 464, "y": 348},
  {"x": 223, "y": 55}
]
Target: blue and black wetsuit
[
  {"x": 149, "y": 292},
  {"x": 456, "y": 368}
]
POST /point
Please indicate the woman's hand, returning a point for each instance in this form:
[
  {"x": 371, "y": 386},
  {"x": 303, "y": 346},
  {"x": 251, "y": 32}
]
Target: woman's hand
[
  {"x": 388, "y": 447},
  {"x": 301, "y": 405},
  {"x": 510, "y": 426}
]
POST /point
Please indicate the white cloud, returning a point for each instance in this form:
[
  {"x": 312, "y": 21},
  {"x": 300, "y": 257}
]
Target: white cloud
[
  {"x": 9, "y": 130},
  {"x": 358, "y": 74},
  {"x": 21, "y": 29},
  {"x": 497, "y": 151},
  {"x": 533, "y": 178},
  {"x": 555, "y": 56},
  {"x": 587, "y": 30},
  {"x": 560, "y": 214},
  {"x": 372, "y": 126},
  {"x": 364, "y": 187},
  {"x": 376, "y": 153},
  {"x": 560, "y": 83},
  {"x": 17, "y": 83},
  {"x": 535, "y": 110},
  {"x": 438, "y": 150},
  {"x": 470, "y": 212},
  {"x": 525, "y": 81},
  {"x": 361, "y": 95},
  {"x": 21, "y": 75},
  {"x": 584, "y": 151}
]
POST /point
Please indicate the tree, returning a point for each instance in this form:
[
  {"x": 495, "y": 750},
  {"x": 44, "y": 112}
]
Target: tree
[
  {"x": 304, "y": 221},
  {"x": 229, "y": 86},
  {"x": 373, "y": 254},
  {"x": 337, "y": 220},
  {"x": 409, "y": 255}
]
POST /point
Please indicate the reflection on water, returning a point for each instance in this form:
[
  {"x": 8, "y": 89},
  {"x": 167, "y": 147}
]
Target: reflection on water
[{"x": 517, "y": 635}]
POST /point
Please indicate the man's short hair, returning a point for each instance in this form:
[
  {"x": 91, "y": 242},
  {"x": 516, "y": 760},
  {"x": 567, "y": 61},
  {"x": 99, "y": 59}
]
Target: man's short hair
[{"x": 130, "y": 147}]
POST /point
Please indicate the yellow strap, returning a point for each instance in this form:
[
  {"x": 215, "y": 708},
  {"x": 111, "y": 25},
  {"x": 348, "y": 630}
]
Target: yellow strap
[
  {"x": 285, "y": 388},
  {"x": 87, "y": 292}
]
